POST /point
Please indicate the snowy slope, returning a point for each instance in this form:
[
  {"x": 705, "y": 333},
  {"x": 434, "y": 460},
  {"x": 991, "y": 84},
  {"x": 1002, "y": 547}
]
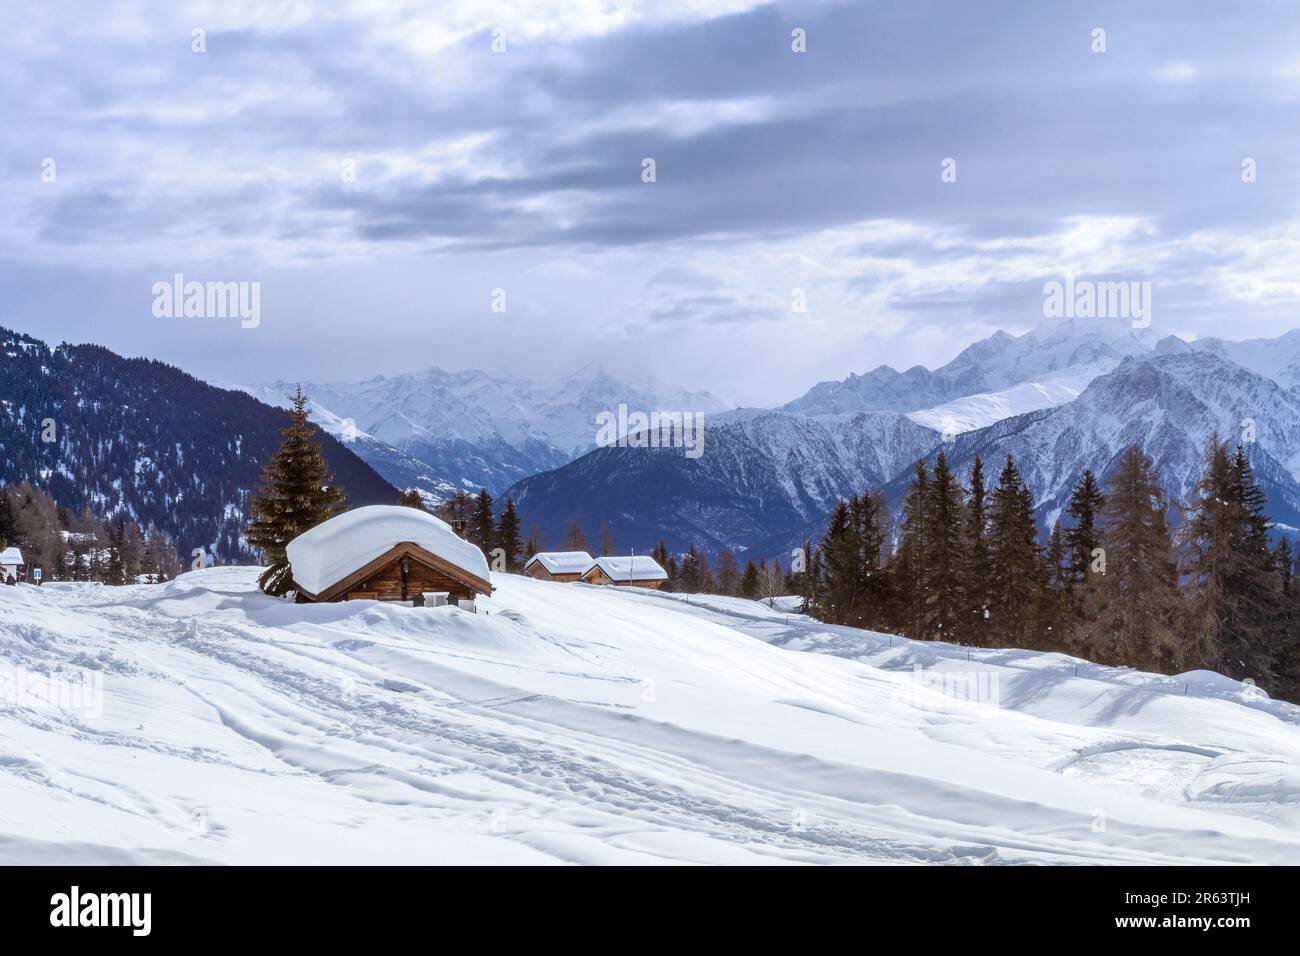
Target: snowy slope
[
  {"x": 979, "y": 411},
  {"x": 580, "y": 725}
]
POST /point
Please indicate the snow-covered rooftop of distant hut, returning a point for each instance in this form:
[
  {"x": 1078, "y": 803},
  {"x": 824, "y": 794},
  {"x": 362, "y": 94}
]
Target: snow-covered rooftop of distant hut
[
  {"x": 332, "y": 550},
  {"x": 10, "y": 557},
  {"x": 563, "y": 562},
  {"x": 640, "y": 567}
]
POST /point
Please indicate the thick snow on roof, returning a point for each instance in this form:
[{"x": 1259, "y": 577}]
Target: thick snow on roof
[
  {"x": 331, "y": 551},
  {"x": 640, "y": 567},
  {"x": 563, "y": 562},
  {"x": 11, "y": 556}
]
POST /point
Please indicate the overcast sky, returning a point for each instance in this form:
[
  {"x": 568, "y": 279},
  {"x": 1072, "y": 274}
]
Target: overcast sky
[{"x": 522, "y": 170}]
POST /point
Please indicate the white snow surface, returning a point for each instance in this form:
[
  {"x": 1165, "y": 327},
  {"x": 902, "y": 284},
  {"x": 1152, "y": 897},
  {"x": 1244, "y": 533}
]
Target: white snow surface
[
  {"x": 563, "y": 562},
  {"x": 332, "y": 550},
  {"x": 572, "y": 724},
  {"x": 979, "y": 411}
]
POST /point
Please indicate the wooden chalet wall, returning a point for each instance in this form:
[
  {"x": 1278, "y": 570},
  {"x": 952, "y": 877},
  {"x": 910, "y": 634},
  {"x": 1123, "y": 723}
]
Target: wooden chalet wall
[
  {"x": 385, "y": 584},
  {"x": 597, "y": 576},
  {"x": 384, "y": 580},
  {"x": 536, "y": 570}
]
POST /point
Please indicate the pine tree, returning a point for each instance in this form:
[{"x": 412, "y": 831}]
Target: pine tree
[
  {"x": 749, "y": 581},
  {"x": 870, "y": 518},
  {"x": 706, "y": 584},
  {"x": 1237, "y": 606},
  {"x": 508, "y": 537},
  {"x": 728, "y": 572},
  {"x": 977, "y": 559},
  {"x": 1137, "y": 620},
  {"x": 1287, "y": 657},
  {"x": 1055, "y": 607},
  {"x": 1056, "y": 568},
  {"x": 690, "y": 573},
  {"x": 910, "y": 572},
  {"x": 483, "y": 525},
  {"x": 1083, "y": 536},
  {"x": 840, "y": 568},
  {"x": 296, "y": 493},
  {"x": 410, "y": 498},
  {"x": 1015, "y": 586},
  {"x": 8, "y": 521},
  {"x": 943, "y": 601}
]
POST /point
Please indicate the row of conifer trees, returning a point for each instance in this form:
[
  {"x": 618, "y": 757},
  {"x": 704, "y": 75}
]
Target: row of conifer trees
[{"x": 1113, "y": 582}]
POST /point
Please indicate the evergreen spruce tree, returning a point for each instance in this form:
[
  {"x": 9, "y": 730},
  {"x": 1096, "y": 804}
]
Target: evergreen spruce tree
[
  {"x": 1015, "y": 584},
  {"x": 1287, "y": 659},
  {"x": 674, "y": 570},
  {"x": 840, "y": 568},
  {"x": 1056, "y": 568},
  {"x": 1237, "y": 604},
  {"x": 1138, "y": 617},
  {"x": 8, "y": 521},
  {"x": 508, "y": 537},
  {"x": 410, "y": 498},
  {"x": 749, "y": 581},
  {"x": 812, "y": 584},
  {"x": 691, "y": 571},
  {"x": 910, "y": 572},
  {"x": 483, "y": 526},
  {"x": 977, "y": 559},
  {"x": 1083, "y": 536},
  {"x": 706, "y": 582},
  {"x": 728, "y": 572},
  {"x": 1055, "y": 598},
  {"x": 873, "y": 599},
  {"x": 296, "y": 493},
  {"x": 943, "y": 600},
  {"x": 1080, "y": 602}
]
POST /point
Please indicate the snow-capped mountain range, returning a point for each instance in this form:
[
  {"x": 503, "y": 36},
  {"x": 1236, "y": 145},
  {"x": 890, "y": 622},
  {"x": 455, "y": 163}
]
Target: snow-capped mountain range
[
  {"x": 440, "y": 431},
  {"x": 768, "y": 479}
]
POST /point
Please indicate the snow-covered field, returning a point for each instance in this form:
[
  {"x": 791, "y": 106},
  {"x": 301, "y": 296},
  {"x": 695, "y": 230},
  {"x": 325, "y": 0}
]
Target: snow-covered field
[{"x": 572, "y": 724}]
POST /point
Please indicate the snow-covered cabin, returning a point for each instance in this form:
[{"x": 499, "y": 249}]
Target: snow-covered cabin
[
  {"x": 386, "y": 553},
  {"x": 559, "y": 565},
  {"x": 639, "y": 571},
  {"x": 10, "y": 560}
]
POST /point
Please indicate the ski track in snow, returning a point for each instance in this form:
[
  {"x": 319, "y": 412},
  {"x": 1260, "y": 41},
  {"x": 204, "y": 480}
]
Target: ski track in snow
[{"x": 575, "y": 724}]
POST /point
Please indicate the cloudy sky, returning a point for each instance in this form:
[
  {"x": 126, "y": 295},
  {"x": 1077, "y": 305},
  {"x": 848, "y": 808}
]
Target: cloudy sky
[{"x": 520, "y": 169}]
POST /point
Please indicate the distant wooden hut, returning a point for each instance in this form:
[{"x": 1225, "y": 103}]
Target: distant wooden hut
[
  {"x": 559, "y": 565},
  {"x": 385, "y": 553},
  {"x": 11, "y": 564},
  {"x": 640, "y": 571}
]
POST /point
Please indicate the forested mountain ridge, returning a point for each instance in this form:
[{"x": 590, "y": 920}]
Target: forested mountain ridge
[{"x": 142, "y": 438}]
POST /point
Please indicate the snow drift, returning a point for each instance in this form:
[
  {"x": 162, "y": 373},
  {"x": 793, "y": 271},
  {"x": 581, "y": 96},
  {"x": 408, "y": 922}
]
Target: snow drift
[{"x": 575, "y": 724}]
